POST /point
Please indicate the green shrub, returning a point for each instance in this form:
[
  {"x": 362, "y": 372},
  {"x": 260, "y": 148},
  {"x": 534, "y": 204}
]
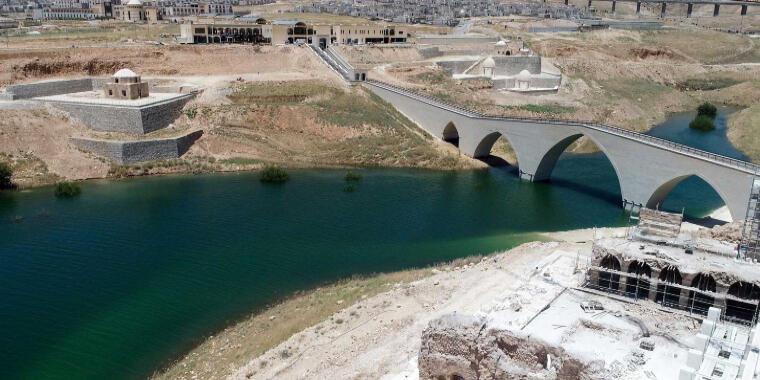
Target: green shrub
[
  {"x": 702, "y": 123},
  {"x": 351, "y": 176},
  {"x": 274, "y": 174},
  {"x": 67, "y": 189},
  {"x": 707, "y": 109},
  {"x": 349, "y": 188},
  {"x": 5, "y": 176},
  {"x": 191, "y": 113}
]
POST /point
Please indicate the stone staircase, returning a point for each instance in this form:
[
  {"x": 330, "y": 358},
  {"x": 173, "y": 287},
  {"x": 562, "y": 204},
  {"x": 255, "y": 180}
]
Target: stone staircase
[
  {"x": 659, "y": 225},
  {"x": 334, "y": 60}
]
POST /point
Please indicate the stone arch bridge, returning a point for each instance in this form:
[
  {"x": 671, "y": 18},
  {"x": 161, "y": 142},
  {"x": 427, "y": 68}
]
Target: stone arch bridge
[{"x": 647, "y": 168}]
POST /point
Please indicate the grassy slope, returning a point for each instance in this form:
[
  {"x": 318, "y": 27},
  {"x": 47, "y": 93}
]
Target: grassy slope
[
  {"x": 744, "y": 131},
  {"x": 283, "y": 123}
]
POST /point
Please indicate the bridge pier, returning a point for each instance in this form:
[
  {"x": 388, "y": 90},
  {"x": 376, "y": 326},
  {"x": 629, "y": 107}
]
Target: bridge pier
[
  {"x": 662, "y": 11},
  {"x": 638, "y": 7},
  {"x": 744, "y": 10},
  {"x": 716, "y": 10},
  {"x": 614, "y": 3},
  {"x": 688, "y": 10}
]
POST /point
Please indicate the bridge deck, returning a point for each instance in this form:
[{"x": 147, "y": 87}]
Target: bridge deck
[{"x": 729, "y": 162}]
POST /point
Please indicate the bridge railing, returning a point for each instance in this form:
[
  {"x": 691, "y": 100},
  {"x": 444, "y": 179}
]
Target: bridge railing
[{"x": 670, "y": 145}]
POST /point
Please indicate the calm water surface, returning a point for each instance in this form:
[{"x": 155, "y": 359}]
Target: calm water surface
[{"x": 121, "y": 280}]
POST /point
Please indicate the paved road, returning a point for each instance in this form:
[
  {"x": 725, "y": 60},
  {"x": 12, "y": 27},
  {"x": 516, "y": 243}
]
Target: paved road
[{"x": 462, "y": 28}]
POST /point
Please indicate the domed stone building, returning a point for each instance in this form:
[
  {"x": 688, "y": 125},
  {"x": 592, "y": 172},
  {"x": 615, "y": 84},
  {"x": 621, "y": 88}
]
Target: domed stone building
[
  {"x": 125, "y": 84},
  {"x": 134, "y": 11}
]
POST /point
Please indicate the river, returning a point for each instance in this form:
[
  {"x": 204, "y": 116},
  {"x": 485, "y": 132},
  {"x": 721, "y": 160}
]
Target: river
[{"x": 131, "y": 274}]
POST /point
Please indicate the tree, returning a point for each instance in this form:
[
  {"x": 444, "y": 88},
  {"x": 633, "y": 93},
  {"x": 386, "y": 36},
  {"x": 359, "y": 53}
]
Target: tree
[
  {"x": 67, "y": 189},
  {"x": 707, "y": 109},
  {"x": 274, "y": 174},
  {"x": 5, "y": 176},
  {"x": 702, "y": 123}
]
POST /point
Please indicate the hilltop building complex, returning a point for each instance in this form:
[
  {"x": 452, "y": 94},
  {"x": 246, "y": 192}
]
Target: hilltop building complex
[{"x": 259, "y": 30}]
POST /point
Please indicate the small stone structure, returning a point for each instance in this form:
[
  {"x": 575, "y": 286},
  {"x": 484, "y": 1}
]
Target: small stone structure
[
  {"x": 463, "y": 347},
  {"x": 126, "y": 84},
  {"x": 510, "y": 66}
]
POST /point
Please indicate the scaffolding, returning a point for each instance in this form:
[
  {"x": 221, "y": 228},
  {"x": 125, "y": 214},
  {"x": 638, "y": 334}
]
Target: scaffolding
[{"x": 750, "y": 245}]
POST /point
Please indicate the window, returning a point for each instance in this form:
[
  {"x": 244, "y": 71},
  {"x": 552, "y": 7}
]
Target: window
[
  {"x": 110, "y": 92},
  {"x": 116, "y": 80},
  {"x": 123, "y": 92}
]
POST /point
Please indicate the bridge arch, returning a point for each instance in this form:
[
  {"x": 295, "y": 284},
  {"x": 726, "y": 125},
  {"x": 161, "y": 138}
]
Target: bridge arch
[
  {"x": 550, "y": 157},
  {"x": 661, "y": 193},
  {"x": 485, "y": 146},
  {"x": 451, "y": 134}
]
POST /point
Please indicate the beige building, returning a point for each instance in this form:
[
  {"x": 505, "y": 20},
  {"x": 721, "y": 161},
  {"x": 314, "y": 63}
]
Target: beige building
[
  {"x": 259, "y": 30},
  {"x": 125, "y": 84},
  {"x": 135, "y": 11}
]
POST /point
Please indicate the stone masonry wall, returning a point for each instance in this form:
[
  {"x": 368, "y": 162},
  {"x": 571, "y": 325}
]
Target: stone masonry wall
[
  {"x": 512, "y": 65},
  {"x": 158, "y": 116},
  {"x": 129, "y": 152},
  {"x": 456, "y": 67},
  {"x": 105, "y": 118},
  {"x": 50, "y": 87},
  {"x": 125, "y": 119}
]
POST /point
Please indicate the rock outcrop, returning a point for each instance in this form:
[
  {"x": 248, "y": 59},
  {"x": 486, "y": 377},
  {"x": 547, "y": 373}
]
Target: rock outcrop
[{"x": 463, "y": 347}]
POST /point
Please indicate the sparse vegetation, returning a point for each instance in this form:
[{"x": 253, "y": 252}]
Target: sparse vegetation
[
  {"x": 191, "y": 113},
  {"x": 544, "y": 108},
  {"x": 705, "y": 84},
  {"x": 5, "y": 176},
  {"x": 67, "y": 189},
  {"x": 349, "y": 188},
  {"x": 273, "y": 174}
]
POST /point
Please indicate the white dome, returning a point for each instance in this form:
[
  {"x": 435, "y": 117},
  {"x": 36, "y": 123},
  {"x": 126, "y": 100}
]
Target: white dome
[
  {"x": 524, "y": 75},
  {"x": 501, "y": 43},
  {"x": 489, "y": 63},
  {"x": 135, "y": 2},
  {"x": 125, "y": 73}
]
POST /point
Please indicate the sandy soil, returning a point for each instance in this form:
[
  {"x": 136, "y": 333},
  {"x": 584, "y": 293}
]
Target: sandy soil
[{"x": 161, "y": 61}]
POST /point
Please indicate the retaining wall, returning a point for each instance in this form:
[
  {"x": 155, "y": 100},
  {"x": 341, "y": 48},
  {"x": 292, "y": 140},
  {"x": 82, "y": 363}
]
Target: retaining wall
[
  {"x": 512, "y": 65},
  {"x": 129, "y": 152},
  {"x": 455, "y": 40},
  {"x": 126, "y": 119},
  {"x": 456, "y": 67},
  {"x": 50, "y": 87}
]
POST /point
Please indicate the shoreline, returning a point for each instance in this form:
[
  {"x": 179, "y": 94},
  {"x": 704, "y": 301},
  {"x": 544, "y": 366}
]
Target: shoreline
[
  {"x": 238, "y": 171},
  {"x": 278, "y": 322}
]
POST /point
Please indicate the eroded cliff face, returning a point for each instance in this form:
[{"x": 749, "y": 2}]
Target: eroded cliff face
[{"x": 458, "y": 346}]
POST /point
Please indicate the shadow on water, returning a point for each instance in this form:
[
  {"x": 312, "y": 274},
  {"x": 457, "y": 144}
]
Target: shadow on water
[{"x": 496, "y": 162}]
